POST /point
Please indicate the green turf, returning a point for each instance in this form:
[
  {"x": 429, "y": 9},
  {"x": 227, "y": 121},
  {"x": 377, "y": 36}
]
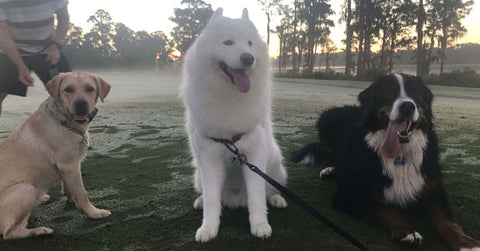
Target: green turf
[{"x": 139, "y": 168}]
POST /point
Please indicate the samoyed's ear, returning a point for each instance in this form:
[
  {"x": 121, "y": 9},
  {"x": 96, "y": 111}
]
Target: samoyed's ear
[
  {"x": 245, "y": 14},
  {"x": 217, "y": 13}
]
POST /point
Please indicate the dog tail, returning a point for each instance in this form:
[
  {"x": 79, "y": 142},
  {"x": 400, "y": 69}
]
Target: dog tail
[{"x": 310, "y": 154}]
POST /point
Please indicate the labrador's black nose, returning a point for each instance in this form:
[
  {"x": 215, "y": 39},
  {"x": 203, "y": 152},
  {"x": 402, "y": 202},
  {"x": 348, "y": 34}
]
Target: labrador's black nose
[
  {"x": 247, "y": 59},
  {"x": 80, "y": 107}
]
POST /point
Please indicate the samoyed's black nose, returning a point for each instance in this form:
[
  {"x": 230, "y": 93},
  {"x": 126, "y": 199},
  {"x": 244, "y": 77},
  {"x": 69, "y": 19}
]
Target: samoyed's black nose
[{"x": 247, "y": 59}]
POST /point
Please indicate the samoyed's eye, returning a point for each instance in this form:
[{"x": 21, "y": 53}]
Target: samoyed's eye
[
  {"x": 228, "y": 42},
  {"x": 250, "y": 43}
]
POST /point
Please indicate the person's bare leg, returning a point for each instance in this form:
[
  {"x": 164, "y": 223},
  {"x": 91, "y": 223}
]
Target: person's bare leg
[{"x": 2, "y": 97}]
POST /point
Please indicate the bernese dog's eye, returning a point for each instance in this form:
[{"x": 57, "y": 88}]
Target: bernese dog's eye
[
  {"x": 228, "y": 42},
  {"x": 250, "y": 43},
  {"x": 68, "y": 90},
  {"x": 89, "y": 89}
]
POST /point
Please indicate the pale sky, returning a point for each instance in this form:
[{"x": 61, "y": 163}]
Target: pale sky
[{"x": 152, "y": 15}]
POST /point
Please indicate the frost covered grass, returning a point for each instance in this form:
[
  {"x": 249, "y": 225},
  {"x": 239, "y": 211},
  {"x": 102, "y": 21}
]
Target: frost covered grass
[{"x": 139, "y": 168}]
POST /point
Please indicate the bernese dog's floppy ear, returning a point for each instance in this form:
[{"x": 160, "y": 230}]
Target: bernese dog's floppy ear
[{"x": 365, "y": 98}]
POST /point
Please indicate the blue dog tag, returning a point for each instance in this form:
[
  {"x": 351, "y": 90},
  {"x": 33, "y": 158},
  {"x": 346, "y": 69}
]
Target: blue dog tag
[{"x": 399, "y": 161}]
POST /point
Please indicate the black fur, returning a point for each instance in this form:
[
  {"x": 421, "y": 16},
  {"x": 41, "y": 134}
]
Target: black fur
[{"x": 358, "y": 168}]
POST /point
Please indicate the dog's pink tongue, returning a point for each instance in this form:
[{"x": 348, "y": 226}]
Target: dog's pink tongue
[
  {"x": 81, "y": 117},
  {"x": 391, "y": 144},
  {"x": 241, "y": 80}
]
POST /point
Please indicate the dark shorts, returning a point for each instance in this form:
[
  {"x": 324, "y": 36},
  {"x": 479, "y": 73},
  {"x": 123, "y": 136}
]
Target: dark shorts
[{"x": 9, "y": 75}]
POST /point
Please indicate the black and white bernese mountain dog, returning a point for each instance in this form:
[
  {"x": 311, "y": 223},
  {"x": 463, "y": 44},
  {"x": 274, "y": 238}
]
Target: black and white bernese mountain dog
[{"x": 384, "y": 154}]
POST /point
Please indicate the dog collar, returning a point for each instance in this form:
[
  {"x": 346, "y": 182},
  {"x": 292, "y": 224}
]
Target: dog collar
[
  {"x": 233, "y": 140},
  {"x": 65, "y": 124}
]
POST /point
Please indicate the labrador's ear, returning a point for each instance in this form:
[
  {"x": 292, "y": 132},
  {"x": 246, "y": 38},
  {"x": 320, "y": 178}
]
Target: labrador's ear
[
  {"x": 53, "y": 86},
  {"x": 103, "y": 88}
]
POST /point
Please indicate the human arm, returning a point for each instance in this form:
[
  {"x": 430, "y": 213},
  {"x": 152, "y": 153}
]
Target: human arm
[
  {"x": 52, "y": 52},
  {"x": 10, "y": 49}
]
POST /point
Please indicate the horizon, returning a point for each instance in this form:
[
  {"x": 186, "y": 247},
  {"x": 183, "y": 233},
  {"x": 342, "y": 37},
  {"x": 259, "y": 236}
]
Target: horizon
[{"x": 151, "y": 16}]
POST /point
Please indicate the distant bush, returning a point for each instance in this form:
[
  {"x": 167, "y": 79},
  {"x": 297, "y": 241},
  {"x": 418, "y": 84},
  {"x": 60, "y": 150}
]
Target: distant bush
[
  {"x": 328, "y": 74},
  {"x": 465, "y": 78},
  {"x": 370, "y": 75}
]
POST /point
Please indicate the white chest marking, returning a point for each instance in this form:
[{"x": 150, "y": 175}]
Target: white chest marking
[{"x": 407, "y": 180}]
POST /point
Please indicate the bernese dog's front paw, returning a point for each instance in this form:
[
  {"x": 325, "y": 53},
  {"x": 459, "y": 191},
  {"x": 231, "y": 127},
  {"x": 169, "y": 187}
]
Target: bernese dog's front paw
[
  {"x": 413, "y": 239},
  {"x": 470, "y": 244},
  {"x": 327, "y": 172}
]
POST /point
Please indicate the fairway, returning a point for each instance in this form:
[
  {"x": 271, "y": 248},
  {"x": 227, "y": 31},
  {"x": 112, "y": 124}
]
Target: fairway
[{"x": 139, "y": 168}]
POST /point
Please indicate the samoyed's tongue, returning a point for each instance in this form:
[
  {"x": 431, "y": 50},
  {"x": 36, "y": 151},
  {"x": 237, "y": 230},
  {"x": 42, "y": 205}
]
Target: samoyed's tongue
[
  {"x": 241, "y": 80},
  {"x": 391, "y": 144}
]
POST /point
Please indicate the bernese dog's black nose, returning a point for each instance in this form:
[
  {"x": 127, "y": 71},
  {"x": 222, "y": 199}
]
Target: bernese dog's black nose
[
  {"x": 80, "y": 107},
  {"x": 247, "y": 59},
  {"x": 407, "y": 108}
]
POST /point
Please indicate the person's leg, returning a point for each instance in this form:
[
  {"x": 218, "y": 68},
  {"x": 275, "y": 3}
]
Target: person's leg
[
  {"x": 44, "y": 70},
  {"x": 2, "y": 97},
  {"x": 63, "y": 65},
  {"x": 9, "y": 83}
]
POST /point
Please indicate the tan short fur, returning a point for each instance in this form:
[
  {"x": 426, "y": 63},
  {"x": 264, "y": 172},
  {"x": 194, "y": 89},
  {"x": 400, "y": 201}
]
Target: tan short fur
[{"x": 41, "y": 152}]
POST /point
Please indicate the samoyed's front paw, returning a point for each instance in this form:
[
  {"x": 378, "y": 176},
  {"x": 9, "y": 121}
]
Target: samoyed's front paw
[
  {"x": 206, "y": 233},
  {"x": 277, "y": 201},
  {"x": 261, "y": 230}
]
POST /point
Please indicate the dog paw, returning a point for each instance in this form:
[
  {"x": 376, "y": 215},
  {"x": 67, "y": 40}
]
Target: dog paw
[
  {"x": 261, "y": 230},
  {"x": 41, "y": 231},
  {"x": 327, "y": 172},
  {"x": 413, "y": 239},
  {"x": 198, "y": 204},
  {"x": 277, "y": 201},
  {"x": 43, "y": 198},
  {"x": 98, "y": 213},
  {"x": 206, "y": 233},
  {"x": 470, "y": 244}
]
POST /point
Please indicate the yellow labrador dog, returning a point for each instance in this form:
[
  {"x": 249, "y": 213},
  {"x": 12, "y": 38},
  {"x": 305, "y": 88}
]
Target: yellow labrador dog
[{"x": 48, "y": 147}]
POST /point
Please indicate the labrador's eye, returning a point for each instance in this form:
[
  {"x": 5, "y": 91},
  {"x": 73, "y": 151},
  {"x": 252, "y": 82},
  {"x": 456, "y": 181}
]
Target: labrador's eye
[
  {"x": 68, "y": 90},
  {"x": 228, "y": 42},
  {"x": 89, "y": 89}
]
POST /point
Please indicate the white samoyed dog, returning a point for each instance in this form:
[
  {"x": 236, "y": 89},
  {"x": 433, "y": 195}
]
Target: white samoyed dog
[{"x": 227, "y": 93}]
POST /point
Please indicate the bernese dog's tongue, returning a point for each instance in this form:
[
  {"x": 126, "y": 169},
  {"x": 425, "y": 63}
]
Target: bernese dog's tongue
[
  {"x": 241, "y": 80},
  {"x": 391, "y": 144}
]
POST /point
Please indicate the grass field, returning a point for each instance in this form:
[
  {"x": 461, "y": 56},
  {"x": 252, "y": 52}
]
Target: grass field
[{"x": 139, "y": 168}]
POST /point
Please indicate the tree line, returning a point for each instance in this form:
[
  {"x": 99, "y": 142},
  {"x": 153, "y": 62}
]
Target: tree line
[
  {"x": 426, "y": 26},
  {"x": 387, "y": 26},
  {"x": 114, "y": 44}
]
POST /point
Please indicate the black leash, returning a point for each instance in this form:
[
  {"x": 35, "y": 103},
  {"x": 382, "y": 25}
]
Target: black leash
[{"x": 241, "y": 159}]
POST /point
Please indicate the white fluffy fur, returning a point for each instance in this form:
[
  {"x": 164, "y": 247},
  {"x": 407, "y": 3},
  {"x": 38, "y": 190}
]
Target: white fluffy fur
[
  {"x": 403, "y": 97},
  {"x": 407, "y": 180},
  {"x": 215, "y": 108}
]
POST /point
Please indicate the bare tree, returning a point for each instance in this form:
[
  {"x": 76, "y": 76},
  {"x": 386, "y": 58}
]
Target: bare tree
[{"x": 268, "y": 6}]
